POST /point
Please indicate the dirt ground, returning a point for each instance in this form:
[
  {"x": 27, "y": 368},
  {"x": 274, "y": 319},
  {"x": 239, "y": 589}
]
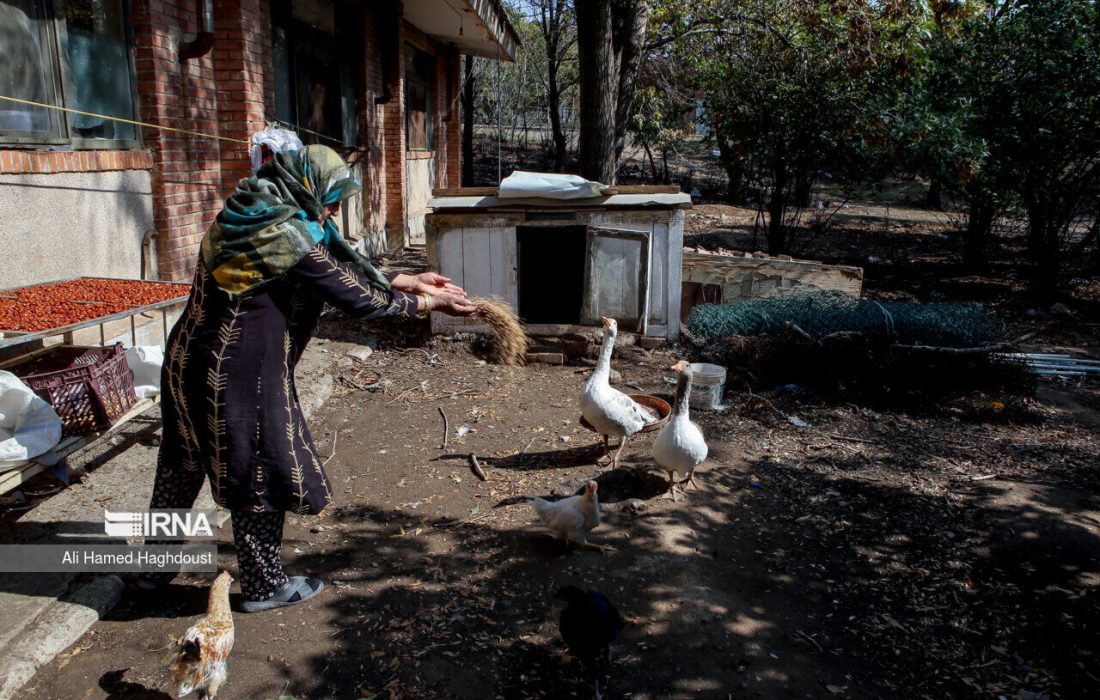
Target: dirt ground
[{"x": 947, "y": 550}]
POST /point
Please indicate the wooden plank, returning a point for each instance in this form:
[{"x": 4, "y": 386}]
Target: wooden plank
[
  {"x": 464, "y": 192},
  {"x": 627, "y": 297},
  {"x": 629, "y": 201},
  {"x": 15, "y": 477},
  {"x": 27, "y": 356},
  {"x": 606, "y": 190},
  {"x": 476, "y": 270},
  {"x": 675, "y": 272},
  {"x": 647, "y": 189},
  {"x": 645, "y": 276},
  {"x": 440, "y": 223},
  {"x": 511, "y": 257},
  {"x": 658, "y": 275},
  {"x": 476, "y": 267},
  {"x": 758, "y": 278},
  {"x": 499, "y": 264},
  {"x": 450, "y": 265}
]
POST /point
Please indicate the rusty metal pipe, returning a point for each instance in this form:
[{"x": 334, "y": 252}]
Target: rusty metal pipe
[{"x": 204, "y": 40}]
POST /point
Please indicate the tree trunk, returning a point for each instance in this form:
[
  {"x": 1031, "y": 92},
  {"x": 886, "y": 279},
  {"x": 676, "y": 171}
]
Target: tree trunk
[
  {"x": 630, "y": 17},
  {"x": 803, "y": 188},
  {"x": 554, "y": 98},
  {"x": 652, "y": 164},
  {"x": 979, "y": 226},
  {"x": 610, "y": 34},
  {"x": 934, "y": 198},
  {"x": 599, "y": 81},
  {"x": 1043, "y": 248},
  {"x": 468, "y": 124},
  {"x": 553, "y": 24},
  {"x": 777, "y": 209},
  {"x": 734, "y": 166}
]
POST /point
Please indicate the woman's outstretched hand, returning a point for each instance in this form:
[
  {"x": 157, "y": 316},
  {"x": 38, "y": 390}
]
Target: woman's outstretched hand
[
  {"x": 452, "y": 304},
  {"x": 430, "y": 283}
]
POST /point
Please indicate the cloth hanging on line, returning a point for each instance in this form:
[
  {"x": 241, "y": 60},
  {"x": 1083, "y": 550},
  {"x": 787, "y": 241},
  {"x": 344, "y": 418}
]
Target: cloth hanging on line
[{"x": 266, "y": 143}]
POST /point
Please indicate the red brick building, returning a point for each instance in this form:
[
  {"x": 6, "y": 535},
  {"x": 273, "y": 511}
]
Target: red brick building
[{"x": 378, "y": 80}]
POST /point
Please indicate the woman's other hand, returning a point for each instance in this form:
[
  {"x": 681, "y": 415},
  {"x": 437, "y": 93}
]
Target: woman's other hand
[{"x": 452, "y": 304}]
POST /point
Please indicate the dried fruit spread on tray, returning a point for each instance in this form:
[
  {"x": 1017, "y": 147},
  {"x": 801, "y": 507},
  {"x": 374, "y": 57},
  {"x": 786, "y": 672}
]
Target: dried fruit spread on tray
[{"x": 46, "y": 306}]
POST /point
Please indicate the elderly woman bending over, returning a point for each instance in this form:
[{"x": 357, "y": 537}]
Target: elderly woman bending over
[{"x": 267, "y": 266}]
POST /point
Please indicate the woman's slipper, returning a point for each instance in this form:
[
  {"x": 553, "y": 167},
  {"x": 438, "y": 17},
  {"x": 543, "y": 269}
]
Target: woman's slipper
[{"x": 297, "y": 589}]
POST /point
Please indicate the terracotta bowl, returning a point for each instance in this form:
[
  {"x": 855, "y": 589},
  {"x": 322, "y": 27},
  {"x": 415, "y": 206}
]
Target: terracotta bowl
[{"x": 659, "y": 406}]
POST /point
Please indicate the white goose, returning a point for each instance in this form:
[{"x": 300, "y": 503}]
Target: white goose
[
  {"x": 680, "y": 445},
  {"x": 610, "y": 411}
]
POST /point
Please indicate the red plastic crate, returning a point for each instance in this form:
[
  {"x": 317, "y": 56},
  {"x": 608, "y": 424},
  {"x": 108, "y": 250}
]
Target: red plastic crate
[{"x": 89, "y": 387}]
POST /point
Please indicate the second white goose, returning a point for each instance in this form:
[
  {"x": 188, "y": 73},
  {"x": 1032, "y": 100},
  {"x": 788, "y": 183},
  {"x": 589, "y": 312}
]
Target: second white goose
[{"x": 680, "y": 445}]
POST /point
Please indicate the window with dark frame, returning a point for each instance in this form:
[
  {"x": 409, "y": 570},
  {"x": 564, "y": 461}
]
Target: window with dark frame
[
  {"x": 69, "y": 53},
  {"x": 419, "y": 89},
  {"x": 316, "y": 52}
]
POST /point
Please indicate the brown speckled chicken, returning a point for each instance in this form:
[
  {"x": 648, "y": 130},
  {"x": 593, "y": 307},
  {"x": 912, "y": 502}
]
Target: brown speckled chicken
[{"x": 200, "y": 665}]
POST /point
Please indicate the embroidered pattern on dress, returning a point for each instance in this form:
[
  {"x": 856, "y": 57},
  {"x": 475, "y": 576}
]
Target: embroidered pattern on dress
[
  {"x": 216, "y": 380},
  {"x": 177, "y": 364},
  {"x": 297, "y": 476},
  {"x": 394, "y": 306}
]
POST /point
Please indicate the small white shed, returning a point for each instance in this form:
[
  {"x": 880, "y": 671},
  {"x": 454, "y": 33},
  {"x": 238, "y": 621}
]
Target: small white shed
[{"x": 562, "y": 264}]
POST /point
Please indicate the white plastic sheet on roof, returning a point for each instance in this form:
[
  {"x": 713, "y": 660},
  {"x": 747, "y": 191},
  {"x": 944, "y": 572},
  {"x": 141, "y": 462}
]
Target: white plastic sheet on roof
[{"x": 522, "y": 185}]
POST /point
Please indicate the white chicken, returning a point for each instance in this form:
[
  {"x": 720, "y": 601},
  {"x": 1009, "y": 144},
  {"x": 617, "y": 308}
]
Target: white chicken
[
  {"x": 680, "y": 445},
  {"x": 572, "y": 518},
  {"x": 200, "y": 663},
  {"x": 610, "y": 411}
]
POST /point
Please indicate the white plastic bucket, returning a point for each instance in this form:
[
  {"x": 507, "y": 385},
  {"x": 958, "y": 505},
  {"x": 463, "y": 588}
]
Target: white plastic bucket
[{"x": 708, "y": 383}]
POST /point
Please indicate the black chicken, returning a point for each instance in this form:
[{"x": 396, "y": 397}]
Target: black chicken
[{"x": 589, "y": 624}]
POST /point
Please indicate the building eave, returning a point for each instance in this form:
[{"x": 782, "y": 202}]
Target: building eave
[{"x": 475, "y": 27}]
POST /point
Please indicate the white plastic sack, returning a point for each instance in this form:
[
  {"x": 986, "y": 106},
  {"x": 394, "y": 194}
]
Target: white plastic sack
[
  {"x": 145, "y": 362},
  {"x": 29, "y": 426},
  {"x": 547, "y": 186},
  {"x": 276, "y": 140}
]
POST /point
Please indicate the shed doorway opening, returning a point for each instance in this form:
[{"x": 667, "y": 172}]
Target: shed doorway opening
[{"x": 551, "y": 273}]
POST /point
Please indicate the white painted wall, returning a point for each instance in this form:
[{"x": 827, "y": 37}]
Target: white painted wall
[
  {"x": 73, "y": 224},
  {"x": 483, "y": 262},
  {"x": 419, "y": 181}
]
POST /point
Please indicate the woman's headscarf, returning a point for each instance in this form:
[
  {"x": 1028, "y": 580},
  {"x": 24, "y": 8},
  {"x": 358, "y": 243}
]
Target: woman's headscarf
[{"x": 273, "y": 220}]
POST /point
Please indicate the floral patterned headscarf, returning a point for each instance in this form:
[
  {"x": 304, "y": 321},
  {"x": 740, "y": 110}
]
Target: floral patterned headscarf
[{"x": 273, "y": 220}]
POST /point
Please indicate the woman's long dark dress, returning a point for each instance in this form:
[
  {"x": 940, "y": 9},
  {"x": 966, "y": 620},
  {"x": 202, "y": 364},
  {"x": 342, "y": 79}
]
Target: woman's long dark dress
[{"x": 229, "y": 404}]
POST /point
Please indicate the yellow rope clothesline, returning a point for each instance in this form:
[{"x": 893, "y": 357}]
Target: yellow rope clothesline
[{"x": 200, "y": 134}]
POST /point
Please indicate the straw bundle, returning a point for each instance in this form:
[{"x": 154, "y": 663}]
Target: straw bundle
[{"x": 510, "y": 342}]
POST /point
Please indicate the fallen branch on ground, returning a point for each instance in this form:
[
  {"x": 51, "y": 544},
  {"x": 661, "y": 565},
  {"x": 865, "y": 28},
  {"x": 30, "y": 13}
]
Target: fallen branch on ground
[
  {"x": 476, "y": 468},
  {"x": 446, "y": 428}
]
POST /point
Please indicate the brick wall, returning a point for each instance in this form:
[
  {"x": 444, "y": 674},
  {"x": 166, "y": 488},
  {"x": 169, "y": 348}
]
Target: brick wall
[
  {"x": 449, "y": 163},
  {"x": 393, "y": 130},
  {"x": 27, "y": 162},
  {"x": 372, "y": 134},
  {"x": 187, "y": 187},
  {"x": 242, "y": 69},
  {"x": 228, "y": 94},
  {"x": 223, "y": 93}
]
